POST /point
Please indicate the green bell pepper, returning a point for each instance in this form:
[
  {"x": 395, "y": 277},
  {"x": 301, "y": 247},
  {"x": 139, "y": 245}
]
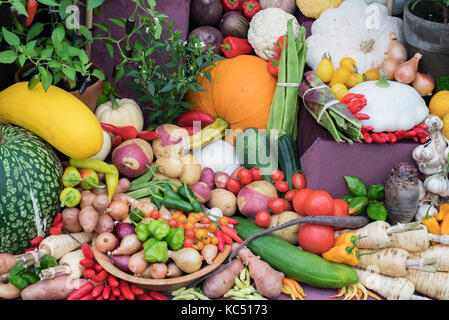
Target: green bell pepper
[
  {"x": 149, "y": 243},
  {"x": 376, "y": 192},
  {"x": 142, "y": 231},
  {"x": 30, "y": 278},
  {"x": 158, "y": 229},
  {"x": 157, "y": 252},
  {"x": 48, "y": 261},
  {"x": 175, "y": 238}
]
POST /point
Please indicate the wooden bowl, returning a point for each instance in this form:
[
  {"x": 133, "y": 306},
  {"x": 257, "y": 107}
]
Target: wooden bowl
[{"x": 169, "y": 284}]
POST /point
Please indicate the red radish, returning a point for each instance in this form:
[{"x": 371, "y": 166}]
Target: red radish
[
  {"x": 201, "y": 191},
  {"x": 131, "y": 157},
  {"x": 255, "y": 197},
  {"x": 315, "y": 238},
  {"x": 221, "y": 180},
  {"x": 298, "y": 200}
]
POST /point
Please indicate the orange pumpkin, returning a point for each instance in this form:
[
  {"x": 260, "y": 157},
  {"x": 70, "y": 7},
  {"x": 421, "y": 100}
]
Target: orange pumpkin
[{"x": 241, "y": 92}]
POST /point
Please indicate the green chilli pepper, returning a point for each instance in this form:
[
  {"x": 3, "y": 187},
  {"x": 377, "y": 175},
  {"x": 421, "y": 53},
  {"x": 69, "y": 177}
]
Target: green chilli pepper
[
  {"x": 175, "y": 238},
  {"x": 48, "y": 261},
  {"x": 376, "y": 192},
  {"x": 157, "y": 252},
  {"x": 171, "y": 194},
  {"x": 157, "y": 202},
  {"x": 357, "y": 205},
  {"x": 356, "y": 186},
  {"x": 142, "y": 231},
  {"x": 71, "y": 177},
  {"x": 348, "y": 198},
  {"x": 94, "y": 164},
  {"x": 185, "y": 193},
  {"x": 136, "y": 215},
  {"x": 377, "y": 211},
  {"x": 70, "y": 197},
  {"x": 197, "y": 206},
  {"x": 177, "y": 204}
]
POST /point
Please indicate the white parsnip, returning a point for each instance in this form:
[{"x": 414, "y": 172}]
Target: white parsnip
[
  {"x": 388, "y": 287},
  {"x": 431, "y": 284},
  {"x": 374, "y": 235},
  {"x": 61, "y": 244},
  {"x": 69, "y": 265},
  {"x": 438, "y": 252},
  {"x": 412, "y": 241}
]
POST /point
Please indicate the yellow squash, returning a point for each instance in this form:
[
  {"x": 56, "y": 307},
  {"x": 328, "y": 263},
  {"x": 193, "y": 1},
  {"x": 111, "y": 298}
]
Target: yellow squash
[{"x": 56, "y": 116}]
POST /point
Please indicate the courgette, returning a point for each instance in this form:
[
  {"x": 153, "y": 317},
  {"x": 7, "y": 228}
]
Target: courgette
[
  {"x": 295, "y": 263},
  {"x": 288, "y": 158}
]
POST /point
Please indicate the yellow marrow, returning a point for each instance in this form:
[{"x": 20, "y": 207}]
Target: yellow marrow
[{"x": 56, "y": 116}]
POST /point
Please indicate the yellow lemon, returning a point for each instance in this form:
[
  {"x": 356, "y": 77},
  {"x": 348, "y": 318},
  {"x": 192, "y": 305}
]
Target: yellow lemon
[
  {"x": 439, "y": 104},
  {"x": 340, "y": 76},
  {"x": 325, "y": 69},
  {"x": 348, "y": 64}
]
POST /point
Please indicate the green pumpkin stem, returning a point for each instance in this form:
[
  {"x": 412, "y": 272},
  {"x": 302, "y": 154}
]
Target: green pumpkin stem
[{"x": 382, "y": 82}]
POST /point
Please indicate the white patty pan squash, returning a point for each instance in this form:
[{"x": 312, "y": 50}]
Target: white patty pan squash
[
  {"x": 126, "y": 113},
  {"x": 391, "y": 105},
  {"x": 313, "y": 8},
  {"x": 355, "y": 30}
]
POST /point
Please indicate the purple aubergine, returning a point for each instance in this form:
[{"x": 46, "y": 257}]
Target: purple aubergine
[
  {"x": 122, "y": 229},
  {"x": 402, "y": 193}
]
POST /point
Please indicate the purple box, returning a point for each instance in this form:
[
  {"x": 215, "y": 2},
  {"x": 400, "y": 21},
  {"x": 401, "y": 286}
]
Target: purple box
[{"x": 324, "y": 162}]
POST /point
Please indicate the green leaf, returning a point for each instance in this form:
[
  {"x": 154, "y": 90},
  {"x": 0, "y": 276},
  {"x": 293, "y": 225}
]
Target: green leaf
[
  {"x": 34, "y": 31},
  {"x": 46, "y": 53},
  {"x": 85, "y": 32},
  {"x": 62, "y": 9},
  {"x": 8, "y": 56},
  {"x": 49, "y": 3},
  {"x": 19, "y": 7},
  {"x": 69, "y": 73},
  {"x": 98, "y": 74},
  {"x": 11, "y": 38},
  {"x": 117, "y": 22},
  {"x": 120, "y": 73},
  {"x": 94, "y": 4},
  {"x": 84, "y": 59},
  {"x": 102, "y": 27},
  {"x": 169, "y": 86},
  {"x": 110, "y": 49},
  {"x": 46, "y": 78},
  {"x": 28, "y": 72},
  {"x": 58, "y": 34},
  {"x": 22, "y": 59},
  {"x": 53, "y": 64},
  {"x": 208, "y": 76},
  {"x": 151, "y": 88}
]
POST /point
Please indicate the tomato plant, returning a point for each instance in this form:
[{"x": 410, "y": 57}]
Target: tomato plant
[
  {"x": 318, "y": 203},
  {"x": 277, "y": 175},
  {"x": 315, "y": 238},
  {"x": 257, "y": 174},
  {"x": 281, "y": 186},
  {"x": 298, "y": 200},
  {"x": 263, "y": 219},
  {"x": 276, "y": 205},
  {"x": 299, "y": 181}
]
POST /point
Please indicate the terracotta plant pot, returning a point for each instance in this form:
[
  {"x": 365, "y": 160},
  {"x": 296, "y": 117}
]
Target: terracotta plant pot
[{"x": 89, "y": 96}]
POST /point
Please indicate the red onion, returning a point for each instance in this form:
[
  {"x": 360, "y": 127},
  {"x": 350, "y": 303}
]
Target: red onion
[
  {"x": 205, "y": 12},
  {"x": 234, "y": 24}
]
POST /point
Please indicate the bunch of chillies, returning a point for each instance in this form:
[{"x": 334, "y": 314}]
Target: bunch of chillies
[{"x": 361, "y": 198}]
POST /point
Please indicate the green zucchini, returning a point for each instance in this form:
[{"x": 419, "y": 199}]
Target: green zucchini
[
  {"x": 288, "y": 158},
  {"x": 295, "y": 263}
]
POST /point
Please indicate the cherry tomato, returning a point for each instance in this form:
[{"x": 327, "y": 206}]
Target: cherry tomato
[
  {"x": 290, "y": 194},
  {"x": 214, "y": 240},
  {"x": 223, "y": 220},
  {"x": 233, "y": 185},
  {"x": 281, "y": 186},
  {"x": 318, "y": 203},
  {"x": 299, "y": 181},
  {"x": 189, "y": 225},
  {"x": 235, "y": 172},
  {"x": 298, "y": 200},
  {"x": 276, "y": 205},
  {"x": 173, "y": 223},
  {"x": 189, "y": 234},
  {"x": 188, "y": 243},
  {"x": 257, "y": 174},
  {"x": 245, "y": 176},
  {"x": 263, "y": 219},
  {"x": 181, "y": 219},
  {"x": 277, "y": 175},
  {"x": 205, "y": 220},
  {"x": 212, "y": 227},
  {"x": 315, "y": 238},
  {"x": 341, "y": 209},
  {"x": 287, "y": 206},
  {"x": 155, "y": 214}
]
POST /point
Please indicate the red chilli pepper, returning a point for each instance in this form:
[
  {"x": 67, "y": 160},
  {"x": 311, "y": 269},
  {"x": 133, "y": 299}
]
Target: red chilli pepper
[
  {"x": 100, "y": 298},
  {"x": 113, "y": 281},
  {"x": 220, "y": 245},
  {"x": 279, "y": 44},
  {"x": 227, "y": 230},
  {"x": 31, "y": 249},
  {"x": 115, "y": 291},
  {"x": 231, "y": 221},
  {"x": 137, "y": 291},
  {"x": 87, "y": 251},
  {"x": 97, "y": 290},
  {"x": 31, "y": 11},
  {"x": 101, "y": 276},
  {"x": 230, "y": 5},
  {"x": 116, "y": 140},
  {"x": 106, "y": 292},
  {"x": 36, "y": 241},
  {"x": 157, "y": 296},
  {"x": 351, "y": 96},
  {"x": 112, "y": 297},
  {"x": 55, "y": 230},
  {"x": 233, "y": 47},
  {"x": 188, "y": 118},
  {"x": 391, "y": 137},
  {"x": 361, "y": 116},
  {"x": 88, "y": 273},
  {"x": 148, "y": 135},
  {"x": 227, "y": 239},
  {"x": 126, "y": 290},
  {"x": 125, "y": 132},
  {"x": 97, "y": 267},
  {"x": 367, "y": 137},
  {"x": 81, "y": 292},
  {"x": 273, "y": 66},
  {"x": 87, "y": 263},
  {"x": 250, "y": 8},
  {"x": 143, "y": 296},
  {"x": 192, "y": 130},
  {"x": 58, "y": 220},
  {"x": 88, "y": 296}
]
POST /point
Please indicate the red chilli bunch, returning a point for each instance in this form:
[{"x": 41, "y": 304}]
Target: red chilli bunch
[
  {"x": 54, "y": 230},
  {"x": 104, "y": 286},
  {"x": 356, "y": 103}
]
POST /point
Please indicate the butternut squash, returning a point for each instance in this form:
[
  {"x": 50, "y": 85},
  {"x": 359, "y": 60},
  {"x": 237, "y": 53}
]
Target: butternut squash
[{"x": 56, "y": 116}]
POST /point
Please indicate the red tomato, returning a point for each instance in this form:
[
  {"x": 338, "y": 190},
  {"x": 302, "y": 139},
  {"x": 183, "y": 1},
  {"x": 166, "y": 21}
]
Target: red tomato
[
  {"x": 244, "y": 175},
  {"x": 155, "y": 214},
  {"x": 233, "y": 185},
  {"x": 173, "y": 223},
  {"x": 188, "y": 243},
  {"x": 315, "y": 238},
  {"x": 257, "y": 174},
  {"x": 318, "y": 203},
  {"x": 299, "y": 181},
  {"x": 281, "y": 186},
  {"x": 263, "y": 219},
  {"x": 276, "y": 205},
  {"x": 290, "y": 194},
  {"x": 235, "y": 172},
  {"x": 287, "y": 206},
  {"x": 205, "y": 220},
  {"x": 298, "y": 200},
  {"x": 189, "y": 233},
  {"x": 341, "y": 209},
  {"x": 277, "y": 175}
]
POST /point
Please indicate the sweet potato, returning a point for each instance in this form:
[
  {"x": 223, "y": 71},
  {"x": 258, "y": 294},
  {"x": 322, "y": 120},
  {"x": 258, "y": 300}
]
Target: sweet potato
[
  {"x": 70, "y": 220},
  {"x": 88, "y": 218},
  {"x": 54, "y": 289},
  {"x": 8, "y": 291},
  {"x": 217, "y": 285},
  {"x": 7, "y": 262}
]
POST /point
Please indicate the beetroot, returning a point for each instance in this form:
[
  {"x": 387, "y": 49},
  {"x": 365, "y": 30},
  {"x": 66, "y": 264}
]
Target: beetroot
[
  {"x": 132, "y": 156},
  {"x": 402, "y": 193}
]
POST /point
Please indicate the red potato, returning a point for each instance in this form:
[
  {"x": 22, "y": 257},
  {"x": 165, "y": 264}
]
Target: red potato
[
  {"x": 54, "y": 289},
  {"x": 217, "y": 285},
  {"x": 88, "y": 218},
  {"x": 123, "y": 185},
  {"x": 201, "y": 191},
  {"x": 70, "y": 220},
  {"x": 254, "y": 197},
  {"x": 104, "y": 224},
  {"x": 7, "y": 262}
]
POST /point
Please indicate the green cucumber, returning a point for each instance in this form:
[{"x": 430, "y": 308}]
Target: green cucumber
[
  {"x": 295, "y": 263},
  {"x": 288, "y": 158}
]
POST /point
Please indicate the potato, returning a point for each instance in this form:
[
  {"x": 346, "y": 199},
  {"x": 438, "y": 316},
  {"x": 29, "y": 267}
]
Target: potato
[
  {"x": 54, "y": 289},
  {"x": 169, "y": 144},
  {"x": 289, "y": 234},
  {"x": 223, "y": 199},
  {"x": 100, "y": 191},
  {"x": 171, "y": 167},
  {"x": 88, "y": 218},
  {"x": 104, "y": 224},
  {"x": 70, "y": 220},
  {"x": 191, "y": 169}
]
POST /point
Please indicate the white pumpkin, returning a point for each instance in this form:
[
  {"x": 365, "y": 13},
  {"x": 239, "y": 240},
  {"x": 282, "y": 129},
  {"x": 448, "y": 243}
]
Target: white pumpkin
[
  {"x": 353, "y": 30},
  {"x": 127, "y": 113},
  {"x": 391, "y": 105}
]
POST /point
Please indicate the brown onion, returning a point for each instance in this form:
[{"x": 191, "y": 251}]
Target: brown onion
[
  {"x": 105, "y": 242},
  {"x": 136, "y": 263},
  {"x": 118, "y": 210},
  {"x": 406, "y": 71},
  {"x": 389, "y": 65},
  {"x": 158, "y": 270},
  {"x": 396, "y": 50},
  {"x": 424, "y": 84}
]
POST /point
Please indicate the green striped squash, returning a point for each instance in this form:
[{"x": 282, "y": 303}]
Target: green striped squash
[{"x": 30, "y": 182}]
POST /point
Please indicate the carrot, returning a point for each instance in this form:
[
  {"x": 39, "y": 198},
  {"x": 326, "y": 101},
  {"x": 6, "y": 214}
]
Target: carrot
[
  {"x": 59, "y": 245},
  {"x": 439, "y": 253},
  {"x": 431, "y": 284}
]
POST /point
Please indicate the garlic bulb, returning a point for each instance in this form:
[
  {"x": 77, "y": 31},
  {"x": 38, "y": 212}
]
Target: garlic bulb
[
  {"x": 422, "y": 190},
  {"x": 438, "y": 184},
  {"x": 433, "y": 123},
  {"x": 424, "y": 209}
]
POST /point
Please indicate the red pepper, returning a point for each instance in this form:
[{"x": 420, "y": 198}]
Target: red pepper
[
  {"x": 232, "y": 235},
  {"x": 87, "y": 263},
  {"x": 100, "y": 298},
  {"x": 233, "y": 46},
  {"x": 279, "y": 44},
  {"x": 106, "y": 292},
  {"x": 347, "y": 98},
  {"x": 97, "y": 267},
  {"x": 188, "y": 118},
  {"x": 56, "y": 230},
  {"x": 157, "y": 296},
  {"x": 31, "y": 249},
  {"x": 116, "y": 140},
  {"x": 148, "y": 135},
  {"x": 192, "y": 130},
  {"x": 250, "y": 8},
  {"x": 220, "y": 245},
  {"x": 88, "y": 296},
  {"x": 231, "y": 221},
  {"x": 125, "y": 132},
  {"x": 367, "y": 137},
  {"x": 36, "y": 241},
  {"x": 97, "y": 290},
  {"x": 58, "y": 220},
  {"x": 126, "y": 290},
  {"x": 143, "y": 296},
  {"x": 101, "y": 276},
  {"x": 391, "y": 137},
  {"x": 81, "y": 292},
  {"x": 113, "y": 281},
  {"x": 227, "y": 239},
  {"x": 88, "y": 273},
  {"x": 31, "y": 11},
  {"x": 137, "y": 291},
  {"x": 230, "y": 5},
  {"x": 361, "y": 116},
  {"x": 115, "y": 291},
  {"x": 273, "y": 66}
]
